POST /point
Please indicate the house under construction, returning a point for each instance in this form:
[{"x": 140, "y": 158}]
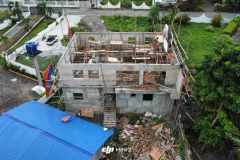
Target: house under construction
[{"x": 121, "y": 71}]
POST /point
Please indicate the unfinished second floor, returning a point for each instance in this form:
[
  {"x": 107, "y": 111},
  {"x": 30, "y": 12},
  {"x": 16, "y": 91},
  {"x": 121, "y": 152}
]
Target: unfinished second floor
[{"x": 138, "y": 60}]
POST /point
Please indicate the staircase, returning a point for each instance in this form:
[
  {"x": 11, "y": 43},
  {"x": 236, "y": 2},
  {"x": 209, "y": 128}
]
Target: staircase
[{"x": 109, "y": 119}]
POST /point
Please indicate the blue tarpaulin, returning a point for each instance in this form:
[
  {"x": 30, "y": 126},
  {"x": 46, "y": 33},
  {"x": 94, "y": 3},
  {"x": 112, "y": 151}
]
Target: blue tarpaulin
[{"x": 34, "y": 131}]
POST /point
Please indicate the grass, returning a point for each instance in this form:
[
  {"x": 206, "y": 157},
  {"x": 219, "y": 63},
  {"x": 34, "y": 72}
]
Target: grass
[
  {"x": 42, "y": 61},
  {"x": 81, "y": 27},
  {"x": 198, "y": 41},
  {"x": 4, "y": 15},
  {"x": 5, "y": 30},
  {"x": 65, "y": 40},
  {"x": 40, "y": 27},
  {"x": 126, "y": 24}
]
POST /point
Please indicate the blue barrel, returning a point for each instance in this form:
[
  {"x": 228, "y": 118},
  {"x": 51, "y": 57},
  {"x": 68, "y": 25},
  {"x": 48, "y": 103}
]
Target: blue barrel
[{"x": 31, "y": 48}]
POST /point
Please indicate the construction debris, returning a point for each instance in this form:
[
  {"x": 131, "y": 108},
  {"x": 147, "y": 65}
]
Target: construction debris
[{"x": 148, "y": 139}]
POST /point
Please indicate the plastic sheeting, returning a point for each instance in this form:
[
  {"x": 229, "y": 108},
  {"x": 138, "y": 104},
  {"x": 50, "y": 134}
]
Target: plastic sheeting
[{"x": 35, "y": 131}]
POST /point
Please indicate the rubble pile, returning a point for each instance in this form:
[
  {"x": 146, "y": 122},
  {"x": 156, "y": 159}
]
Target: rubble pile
[{"x": 149, "y": 139}]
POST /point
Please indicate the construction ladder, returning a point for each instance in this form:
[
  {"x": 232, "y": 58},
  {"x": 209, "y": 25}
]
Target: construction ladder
[{"x": 109, "y": 111}]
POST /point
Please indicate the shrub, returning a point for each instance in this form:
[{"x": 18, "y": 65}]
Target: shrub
[
  {"x": 230, "y": 28},
  {"x": 3, "y": 62},
  {"x": 114, "y": 2},
  {"x": 237, "y": 49},
  {"x": 217, "y": 20},
  {"x": 210, "y": 28},
  {"x": 148, "y": 2},
  {"x": 190, "y": 5},
  {"x": 182, "y": 19},
  {"x": 126, "y": 4},
  {"x": 104, "y": 2},
  {"x": 137, "y": 2}
]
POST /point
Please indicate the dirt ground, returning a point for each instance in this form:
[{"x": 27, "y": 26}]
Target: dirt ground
[{"x": 14, "y": 90}]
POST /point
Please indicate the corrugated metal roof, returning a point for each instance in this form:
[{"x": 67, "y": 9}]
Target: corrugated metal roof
[{"x": 35, "y": 131}]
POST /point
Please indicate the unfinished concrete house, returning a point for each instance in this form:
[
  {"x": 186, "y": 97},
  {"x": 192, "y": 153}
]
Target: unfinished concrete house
[{"x": 120, "y": 71}]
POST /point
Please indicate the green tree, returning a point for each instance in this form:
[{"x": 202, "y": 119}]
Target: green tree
[
  {"x": 154, "y": 16},
  {"x": 42, "y": 8},
  {"x": 216, "y": 88},
  {"x": 10, "y": 5}
]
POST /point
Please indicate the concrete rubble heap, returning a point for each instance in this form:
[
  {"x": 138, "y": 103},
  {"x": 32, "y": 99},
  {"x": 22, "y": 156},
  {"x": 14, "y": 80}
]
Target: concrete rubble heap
[{"x": 149, "y": 140}]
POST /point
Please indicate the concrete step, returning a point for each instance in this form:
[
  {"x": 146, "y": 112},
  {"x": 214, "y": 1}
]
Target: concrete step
[{"x": 109, "y": 118}]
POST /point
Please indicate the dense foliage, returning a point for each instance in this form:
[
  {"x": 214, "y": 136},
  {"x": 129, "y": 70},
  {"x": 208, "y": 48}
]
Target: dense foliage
[
  {"x": 182, "y": 19},
  {"x": 217, "y": 20},
  {"x": 217, "y": 90},
  {"x": 232, "y": 26},
  {"x": 126, "y": 24}
]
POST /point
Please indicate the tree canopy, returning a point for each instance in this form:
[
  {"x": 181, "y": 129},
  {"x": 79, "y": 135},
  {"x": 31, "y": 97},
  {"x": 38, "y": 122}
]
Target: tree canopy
[{"x": 217, "y": 90}]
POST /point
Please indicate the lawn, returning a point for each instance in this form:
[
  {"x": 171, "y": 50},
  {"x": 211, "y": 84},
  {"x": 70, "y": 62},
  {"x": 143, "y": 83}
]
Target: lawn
[
  {"x": 42, "y": 61},
  {"x": 126, "y": 24},
  {"x": 40, "y": 27},
  {"x": 198, "y": 41},
  {"x": 5, "y": 30},
  {"x": 4, "y": 15}
]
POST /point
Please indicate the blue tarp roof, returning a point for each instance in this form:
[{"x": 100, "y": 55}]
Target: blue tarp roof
[{"x": 35, "y": 131}]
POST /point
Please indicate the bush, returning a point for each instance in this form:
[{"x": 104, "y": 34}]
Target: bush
[
  {"x": 104, "y": 2},
  {"x": 212, "y": 136},
  {"x": 3, "y": 62},
  {"x": 210, "y": 28},
  {"x": 190, "y": 5},
  {"x": 182, "y": 19},
  {"x": 137, "y": 2},
  {"x": 226, "y": 7},
  {"x": 217, "y": 20},
  {"x": 126, "y": 4},
  {"x": 4, "y": 15},
  {"x": 230, "y": 28},
  {"x": 148, "y": 2},
  {"x": 114, "y": 2}
]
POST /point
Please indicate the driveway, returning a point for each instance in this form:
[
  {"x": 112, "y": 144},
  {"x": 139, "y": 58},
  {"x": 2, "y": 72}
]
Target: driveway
[{"x": 14, "y": 90}]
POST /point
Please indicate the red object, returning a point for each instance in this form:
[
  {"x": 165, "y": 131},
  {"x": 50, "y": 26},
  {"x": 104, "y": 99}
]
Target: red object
[
  {"x": 66, "y": 119},
  {"x": 47, "y": 78}
]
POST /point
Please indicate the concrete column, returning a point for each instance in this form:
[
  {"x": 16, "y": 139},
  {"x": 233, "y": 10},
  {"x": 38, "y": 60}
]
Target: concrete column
[
  {"x": 85, "y": 73},
  {"x": 141, "y": 73}
]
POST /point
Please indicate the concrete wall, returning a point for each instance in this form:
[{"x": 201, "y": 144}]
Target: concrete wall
[
  {"x": 92, "y": 88},
  {"x": 91, "y": 98},
  {"x": 82, "y": 38},
  {"x": 160, "y": 104},
  {"x": 108, "y": 72},
  {"x": 126, "y": 100}
]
